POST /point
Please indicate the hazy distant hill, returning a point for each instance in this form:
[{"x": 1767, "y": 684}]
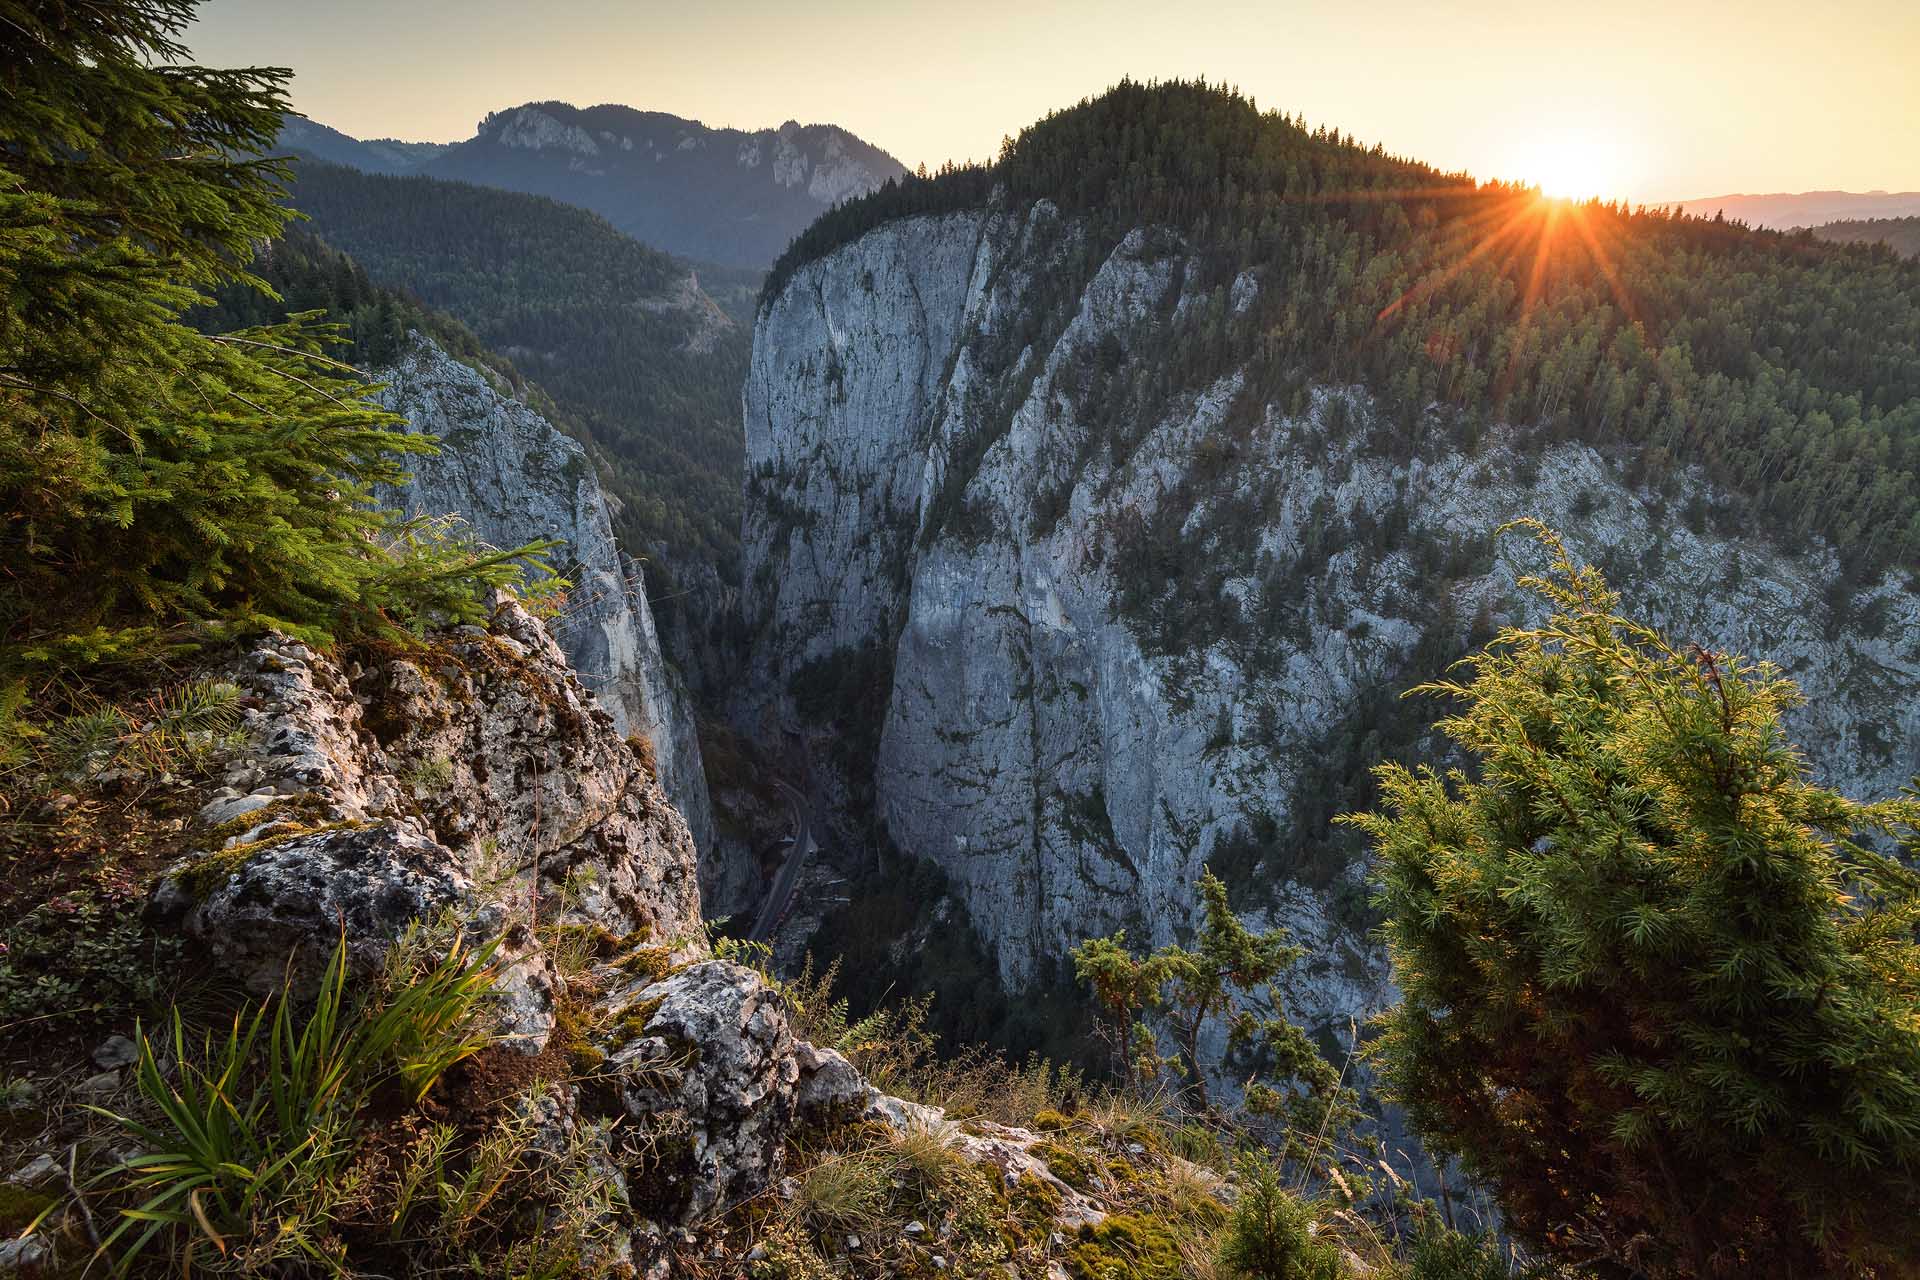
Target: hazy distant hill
[
  {"x": 1784, "y": 210},
  {"x": 381, "y": 155},
  {"x": 715, "y": 195},
  {"x": 1902, "y": 234}
]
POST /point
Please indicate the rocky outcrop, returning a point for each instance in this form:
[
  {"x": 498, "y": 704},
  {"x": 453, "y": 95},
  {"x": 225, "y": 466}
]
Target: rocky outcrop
[
  {"x": 466, "y": 793},
  {"x": 1128, "y": 633},
  {"x": 475, "y": 786},
  {"x": 715, "y": 1083},
  {"x": 514, "y": 479},
  {"x": 476, "y": 779}
]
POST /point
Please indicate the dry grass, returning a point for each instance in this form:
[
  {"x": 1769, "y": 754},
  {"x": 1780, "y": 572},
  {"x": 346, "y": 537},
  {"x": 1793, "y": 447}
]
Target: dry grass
[{"x": 847, "y": 1190}]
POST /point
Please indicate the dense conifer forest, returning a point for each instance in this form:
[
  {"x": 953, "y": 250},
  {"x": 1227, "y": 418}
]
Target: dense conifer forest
[
  {"x": 1787, "y": 368},
  {"x": 1902, "y": 235},
  {"x": 644, "y": 366},
  {"x": 306, "y": 274}
]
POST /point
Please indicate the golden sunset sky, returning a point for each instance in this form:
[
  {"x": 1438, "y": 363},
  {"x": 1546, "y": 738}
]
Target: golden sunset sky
[{"x": 1644, "y": 100}]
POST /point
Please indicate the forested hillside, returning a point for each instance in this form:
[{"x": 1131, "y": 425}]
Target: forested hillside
[
  {"x": 643, "y": 364},
  {"x": 1785, "y": 367},
  {"x": 310, "y": 275},
  {"x": 1902, "y": 235}
]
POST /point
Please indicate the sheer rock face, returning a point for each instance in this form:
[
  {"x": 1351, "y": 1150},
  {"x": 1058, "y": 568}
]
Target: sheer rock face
[
  {"x": 510, "y": 475},
  {"x": 936, "y": 476}
]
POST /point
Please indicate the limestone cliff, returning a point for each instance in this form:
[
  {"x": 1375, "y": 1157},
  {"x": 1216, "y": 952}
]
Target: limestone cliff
[
  {"x": 1118, "y": 644},
  {"x": 514, "y": 478}
]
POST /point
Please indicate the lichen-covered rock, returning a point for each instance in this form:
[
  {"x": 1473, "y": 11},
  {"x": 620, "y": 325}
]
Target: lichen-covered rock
[
  {"x": 25, "y": 1256},
  {"x": 830, "y": 1089},
  {"x": 474, "y": 780},
  {"x": 514, "y": 478},
  {"x": 1005, "y": 1148},
  {"x": 284, "y": 902},
  {"x": 710, "y": 1085}
]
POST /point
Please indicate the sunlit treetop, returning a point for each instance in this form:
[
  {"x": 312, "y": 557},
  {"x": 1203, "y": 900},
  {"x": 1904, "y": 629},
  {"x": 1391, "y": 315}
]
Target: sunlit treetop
[{"x": 1786, "y": 368}]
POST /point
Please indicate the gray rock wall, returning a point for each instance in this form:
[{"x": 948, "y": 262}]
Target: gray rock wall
[
  {"x": 1072, "y": 757},
  {"x": 515, "y": 479}
]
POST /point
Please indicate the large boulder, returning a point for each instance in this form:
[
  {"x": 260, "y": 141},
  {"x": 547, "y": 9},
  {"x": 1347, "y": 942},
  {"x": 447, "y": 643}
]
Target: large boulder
[
  {"x": 280, "y": 905},
  {"x": 713, "y": 1085}
]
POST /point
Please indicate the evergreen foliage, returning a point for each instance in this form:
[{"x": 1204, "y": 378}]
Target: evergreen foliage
[
  {"x": 1785, "y": 367},
  {"x": 303, "y": 274},
  {"x": 1902, "y": 235},
  {"x": 1213, "y": 981},
  {"x": 1270, "y": 1234},
  {"x": 646, "y": 375},
  {"x": 161, "y": 485},
  {"x": 1656, "y": 993}
]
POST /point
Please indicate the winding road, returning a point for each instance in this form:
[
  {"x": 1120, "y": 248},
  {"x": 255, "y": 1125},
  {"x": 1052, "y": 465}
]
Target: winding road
[{"x": 780, "y": 897}]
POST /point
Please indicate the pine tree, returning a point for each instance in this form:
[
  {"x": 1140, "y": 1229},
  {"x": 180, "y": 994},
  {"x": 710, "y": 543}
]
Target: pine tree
[
  {"x": 162, "y": 486},
  {"x": 1214, "y": 982},
  {"x": 1656, "y": 993}
]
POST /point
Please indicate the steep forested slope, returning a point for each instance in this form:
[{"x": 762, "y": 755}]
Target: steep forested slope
[
  {"x": 1902, "y": 235},
  {"x": 308, "y": 274},
  {"x": 1102, "y": 502},
  {"x": 505, "y": 471},
  {"x": 1789, "y": 369},
  {"x": 643, "y": 364}
]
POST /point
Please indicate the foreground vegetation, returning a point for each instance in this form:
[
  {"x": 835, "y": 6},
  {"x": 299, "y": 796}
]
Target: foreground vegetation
[
  {"x": 1659, "y": 989},
  {"x": 164, "y": 487}
]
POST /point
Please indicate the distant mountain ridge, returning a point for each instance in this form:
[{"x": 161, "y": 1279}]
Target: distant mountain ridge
[
  {"x": 1783, "y": 211},
  {"x": 1902, "y": 235},
  {"x": 726, "y": 196},
  {"x": 376, "y": 155}
]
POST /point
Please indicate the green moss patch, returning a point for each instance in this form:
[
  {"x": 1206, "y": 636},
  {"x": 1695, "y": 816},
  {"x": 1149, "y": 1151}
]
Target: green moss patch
[
  {"x": 1125, "y": 1247},
  {"x": 651, "y": 963},
  {"x": 1078, "y": 1169},
  {"x": 212, "y": 870},
  {"x": 19, "y": 1206}
]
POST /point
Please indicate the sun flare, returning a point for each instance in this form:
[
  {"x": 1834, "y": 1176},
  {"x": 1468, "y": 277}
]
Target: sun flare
[{"x": 1572, "y": 165}]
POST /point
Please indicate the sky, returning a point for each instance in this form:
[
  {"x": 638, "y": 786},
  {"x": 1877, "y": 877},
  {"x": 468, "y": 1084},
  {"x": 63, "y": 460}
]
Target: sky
[{"x": 1637, "y": 99}]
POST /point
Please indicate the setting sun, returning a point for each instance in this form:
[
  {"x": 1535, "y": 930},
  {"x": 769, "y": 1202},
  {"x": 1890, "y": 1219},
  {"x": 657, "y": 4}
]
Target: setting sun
[{"x": 1571, "y": 165}]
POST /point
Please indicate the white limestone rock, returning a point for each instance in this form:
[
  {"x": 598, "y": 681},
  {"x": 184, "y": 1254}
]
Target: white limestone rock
[{"x": 1071, "y": 777}]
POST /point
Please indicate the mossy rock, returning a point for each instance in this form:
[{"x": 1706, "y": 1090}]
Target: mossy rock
[
  {"x": 595, "y": 941},
  {"x": 1034, "y": 1204},
  {"x": 633, "y": 1023},
  {"x": 651, "y": 963},
  {"x": 306, "y": 807},
  {"x": 210, "y": 871},
  {"x": 1078, "y": 1169},
  {"x": 1125, "y": 1247},
  {"x": 19, "y": 1206},
  {"x": 1050, "y": 1121}
]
